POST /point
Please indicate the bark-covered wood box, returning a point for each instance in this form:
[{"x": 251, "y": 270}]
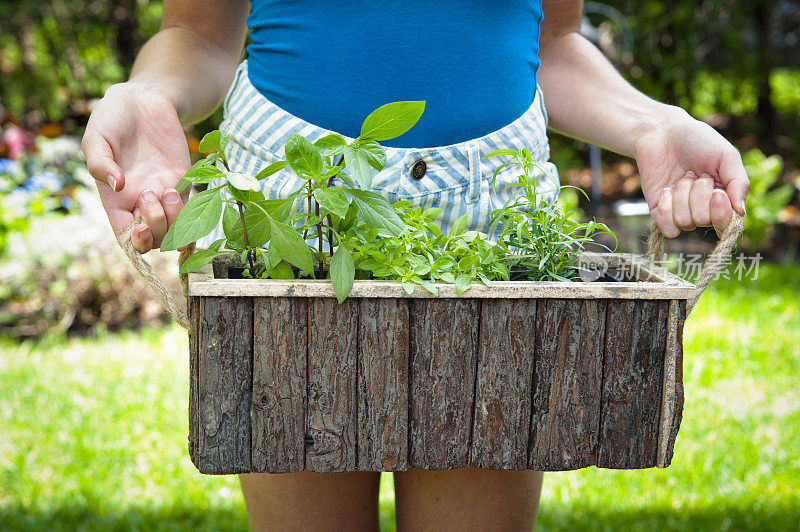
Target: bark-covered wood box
[{"x": 521, "y": 375}]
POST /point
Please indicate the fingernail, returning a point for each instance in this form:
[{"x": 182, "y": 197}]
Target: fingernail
[
  {"x": 144, "y": 233},
  {"x": 744, "y": 210},
  {"x": 668, "y": 192},
  {"x": 706, "y": 174},
  {"x": 148, "y": 195},
  {"x": 171, "y": 196},
  {"x": 690, "y": 174},
  {"x": 112, "y": 182}
]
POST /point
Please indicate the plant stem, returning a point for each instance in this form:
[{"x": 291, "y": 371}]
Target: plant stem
[
  {"x": 330, "y": 221},
  {"x": 319, "y": 232},
  {"x": 246, "y": 240}
]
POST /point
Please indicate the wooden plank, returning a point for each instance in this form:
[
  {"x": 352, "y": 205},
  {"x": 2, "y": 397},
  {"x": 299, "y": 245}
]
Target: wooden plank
[
  {"x": 312, "y": 288},
  {"x": 444, "y": 340},
  {"x": 194, "y": 311},
  {"x": 279, "y": 384},
  {"x": 672, "y": 394},
  {"x": 636, "y": 334},
  {"x": 383, "y": 332},
  {"x": 503, "y": 391},
  {"x": 332, "y": 415},
  {"x": 224, "y": 382},
  {"x": 565, "y": 419}
]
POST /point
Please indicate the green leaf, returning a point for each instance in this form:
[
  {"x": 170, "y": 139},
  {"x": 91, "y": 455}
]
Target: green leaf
[
  {"x": 505, "y": 151},
  {"x": 281, "y": 271},
  {"x": 391, "y": 120},
  {"x": 211, "y": 141},
  {"x": 199, "y": 174},
  {"x": 258, "y": 227},
  {"x": 376, "y": 211},
  {"x": 333, "y": 171},
  {"x": 331, "y": 145},
  {"x": 271, "y": 169},
  {"x": 202, "y": 257},
  {"x": 257, "y": 219},
  {"x": 232, "y": 227},
  {"x": 273, "y": 257},
  {"x": 358, "y": 165},
  {"x": 204, "y": 174},
  {"x": 459, "y": 226},
  {"x": 463, "y": 283},
  {"x": 343, "y": 272},
  {"x": 198, "y": 218},
  {"x": 241, "y": 181},
  {"x": 375, "y": 154},
  {"x": 333, "y": 200},
  {"x": 291, "y": 246},
  {"x": 303, "y": 156},
  {"x": 245, "y": 196}
]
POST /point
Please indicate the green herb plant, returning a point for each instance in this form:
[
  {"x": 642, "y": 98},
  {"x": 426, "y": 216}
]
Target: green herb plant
[
  {"x": 251, "y": 222},
  {"x": 541, "y": 239},
  {"x": 371, "y": 238}
]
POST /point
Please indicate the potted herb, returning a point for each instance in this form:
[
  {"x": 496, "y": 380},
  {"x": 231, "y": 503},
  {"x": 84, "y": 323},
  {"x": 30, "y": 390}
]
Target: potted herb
[{"x": 411, "y": 348}]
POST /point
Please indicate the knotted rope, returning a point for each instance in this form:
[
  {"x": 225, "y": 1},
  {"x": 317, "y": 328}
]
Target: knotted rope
[
  {"x": 655, "y": 243},
  {"x": 716, "y": 261},
  {"x": 169, "y": 299}
]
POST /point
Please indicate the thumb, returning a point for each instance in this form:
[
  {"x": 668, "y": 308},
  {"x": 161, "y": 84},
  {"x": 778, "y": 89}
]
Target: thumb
[{"x": 100, "y": 160}]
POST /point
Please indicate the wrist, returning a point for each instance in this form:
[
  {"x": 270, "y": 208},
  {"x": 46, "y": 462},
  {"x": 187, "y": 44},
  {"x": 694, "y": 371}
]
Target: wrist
[
  {"x": 656, "y": 121},
  {"x": 140, "y": 86}
]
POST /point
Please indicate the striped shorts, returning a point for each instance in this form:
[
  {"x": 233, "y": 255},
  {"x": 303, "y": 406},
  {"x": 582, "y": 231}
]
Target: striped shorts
[{"x": 455, "y": 179}]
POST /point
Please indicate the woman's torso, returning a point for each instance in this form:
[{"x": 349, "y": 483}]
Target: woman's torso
[{"x": 331, "y": 63}]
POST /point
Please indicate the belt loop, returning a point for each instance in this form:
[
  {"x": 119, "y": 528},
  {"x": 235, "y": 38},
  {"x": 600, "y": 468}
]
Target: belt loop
[{"x": 475, "y": 175}]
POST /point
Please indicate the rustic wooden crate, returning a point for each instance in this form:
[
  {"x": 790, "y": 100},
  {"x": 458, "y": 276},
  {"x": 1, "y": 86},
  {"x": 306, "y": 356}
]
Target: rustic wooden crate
[{"x": 522, "y": 375}]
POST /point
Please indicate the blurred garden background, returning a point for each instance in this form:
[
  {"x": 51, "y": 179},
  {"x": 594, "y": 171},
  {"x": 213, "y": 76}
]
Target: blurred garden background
[{"x": 94, "y": 379}]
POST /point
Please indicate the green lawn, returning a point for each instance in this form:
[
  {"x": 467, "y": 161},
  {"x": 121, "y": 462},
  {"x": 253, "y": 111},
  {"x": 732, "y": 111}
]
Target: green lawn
[{"x": 93, "y": 433}]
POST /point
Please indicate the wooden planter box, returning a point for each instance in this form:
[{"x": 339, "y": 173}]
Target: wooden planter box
[{"x": 522, "y": 375}]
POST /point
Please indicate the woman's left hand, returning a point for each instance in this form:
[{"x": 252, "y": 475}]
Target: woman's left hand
[{"x": 691, "y": 176}]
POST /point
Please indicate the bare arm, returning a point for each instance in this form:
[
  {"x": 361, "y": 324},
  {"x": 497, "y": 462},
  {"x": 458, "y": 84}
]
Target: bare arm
[
  {"x": 134, "y": 143},
  {"x": 691, "y": 176},
  {"x": 193, "y": 57}
]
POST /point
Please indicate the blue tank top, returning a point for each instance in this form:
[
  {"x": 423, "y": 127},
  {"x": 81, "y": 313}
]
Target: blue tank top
[{"x": 332, "y": 62}]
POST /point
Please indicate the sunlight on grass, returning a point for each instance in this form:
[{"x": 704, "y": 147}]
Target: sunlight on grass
[{"x": 95, "y": 433}]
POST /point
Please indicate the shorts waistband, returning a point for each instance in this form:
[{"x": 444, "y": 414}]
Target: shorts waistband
[{"x": 258, "y": 126}]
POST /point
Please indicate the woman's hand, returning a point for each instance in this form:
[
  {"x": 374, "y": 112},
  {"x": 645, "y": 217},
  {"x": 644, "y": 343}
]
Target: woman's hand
[
  {"x": 136, "y": 151},
  {"x": 691, "y": 176}
]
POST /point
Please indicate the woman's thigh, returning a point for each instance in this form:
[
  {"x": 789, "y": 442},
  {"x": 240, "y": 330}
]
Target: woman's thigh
[
  {"x": 467, "y": 499},
  {"x": 311, "y": 501}
]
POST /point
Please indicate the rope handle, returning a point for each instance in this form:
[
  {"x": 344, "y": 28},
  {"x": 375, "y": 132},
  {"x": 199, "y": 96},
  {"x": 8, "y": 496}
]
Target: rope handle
[
  {"x": 170, "y": 300},
  {"x": 655, "y": 243},
  {"x": 718, "y": 258}
]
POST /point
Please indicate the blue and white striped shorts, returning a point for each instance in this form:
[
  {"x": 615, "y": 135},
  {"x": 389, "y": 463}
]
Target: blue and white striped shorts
[{"x": 456, "y": 179}]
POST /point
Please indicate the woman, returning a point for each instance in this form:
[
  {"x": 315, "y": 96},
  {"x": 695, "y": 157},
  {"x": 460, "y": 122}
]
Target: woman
[{"x": 318, "y": 66}]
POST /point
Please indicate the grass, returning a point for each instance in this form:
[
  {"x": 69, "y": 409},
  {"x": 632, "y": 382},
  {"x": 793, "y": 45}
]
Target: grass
[{"x": 93, "y": 433}]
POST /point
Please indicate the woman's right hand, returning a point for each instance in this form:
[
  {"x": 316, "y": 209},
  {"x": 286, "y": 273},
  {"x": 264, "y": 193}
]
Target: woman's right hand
[{"x": 137, "y": 152}]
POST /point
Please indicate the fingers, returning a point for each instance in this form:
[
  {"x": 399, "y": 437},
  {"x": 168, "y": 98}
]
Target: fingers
[
  {"x": 700, "y": 200},
  {"x": 142, "y": 238},
  {"x": 694, "y": 202},
  {"x": 100, "y": 161},
  {"x": 663, "y": 215},
  {"x": 734, "y": 178},
  {"x": 157, "y": 216},
  {"x": 172, "y": 204},
  {"x": 720, "y": 210},
  {"x": 681, "y": 213}
]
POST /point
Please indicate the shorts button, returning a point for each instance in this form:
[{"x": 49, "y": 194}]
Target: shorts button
[{"x": 419, "y": 169}]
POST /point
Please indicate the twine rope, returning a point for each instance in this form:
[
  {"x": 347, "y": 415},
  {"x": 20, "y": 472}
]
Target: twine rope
[
  {"x": 176, "y": 306},
  {"x": 716, "y": 261},
  {"x": 171, "y": 301}
]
